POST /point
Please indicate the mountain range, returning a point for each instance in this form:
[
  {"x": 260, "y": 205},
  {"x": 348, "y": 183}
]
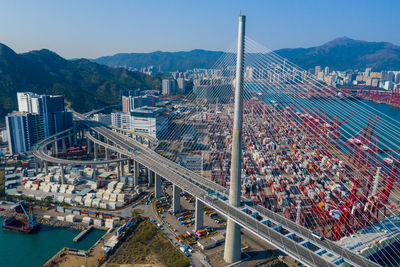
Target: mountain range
[
  {"x": 167, "y": 61},
  {"x": 88, "y": 84},
  {"x": 340, "y": 54},
  {"x": 84, "y": 84}
]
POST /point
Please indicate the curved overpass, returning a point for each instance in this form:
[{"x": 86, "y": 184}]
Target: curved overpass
[{"x": 40, "y": 153}]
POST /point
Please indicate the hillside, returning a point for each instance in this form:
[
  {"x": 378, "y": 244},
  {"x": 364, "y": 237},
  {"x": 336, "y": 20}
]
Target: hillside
[
  {"x": 339, "y": 54},
  {"x": 85, "y": 84},
  {"x": 345, "y": 53},
  {"x": 168, "y": 61}
]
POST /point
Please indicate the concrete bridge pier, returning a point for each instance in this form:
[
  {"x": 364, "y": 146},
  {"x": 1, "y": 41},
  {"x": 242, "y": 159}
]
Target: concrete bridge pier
[
  {"x": 89, "y": 149},
  {"x": 119, "y": 171},
  {"x": 107, "y": 156},
  {"x": 136, "y": 173},
  {"x": 55, "y": 146},
  {"x": 46, "y": 167},
  {"x": 176, "y": 198},
  {"x": 198, "y": 216},
  {"x": 95, "y": 150},
  {"x": 69, "y": 139},
  {"x": 94, "y": 172},
  {"x": 157, "y": 187},
  {"x": 107, "y": 153},
  {"x": 62, "y": 173},
  {"x": 64, "y": 147},
  {"x": 122, "y": 166},
  {"x": 150, "y": 174}
]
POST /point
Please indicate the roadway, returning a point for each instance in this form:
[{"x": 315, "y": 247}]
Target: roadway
[{"x": 39, "y": 152}]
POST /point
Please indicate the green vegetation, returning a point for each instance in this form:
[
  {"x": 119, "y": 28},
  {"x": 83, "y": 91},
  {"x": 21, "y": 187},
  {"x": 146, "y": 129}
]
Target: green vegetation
[
  {"x": 86, "y": 85},
  {"x": 136, "y": 213},
  {"x": 145, "y": 244},
  {"x": 345, "y": 53},
  {"x": 168, "y": 61}
]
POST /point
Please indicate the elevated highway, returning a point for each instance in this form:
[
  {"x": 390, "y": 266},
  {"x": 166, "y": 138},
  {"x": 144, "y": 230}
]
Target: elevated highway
[
  {"x": 272, "y": 228},
  {"x": 293, "y": 239}
]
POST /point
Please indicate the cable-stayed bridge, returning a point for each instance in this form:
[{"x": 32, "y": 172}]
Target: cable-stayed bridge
[{"x": 330, "y": 173}]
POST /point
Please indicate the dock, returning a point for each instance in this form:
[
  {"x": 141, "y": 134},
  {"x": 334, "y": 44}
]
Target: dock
[{"x": 83, "y": 234}]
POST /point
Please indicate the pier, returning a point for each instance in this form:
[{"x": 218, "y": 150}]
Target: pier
[{"x": 83, "y": 234}]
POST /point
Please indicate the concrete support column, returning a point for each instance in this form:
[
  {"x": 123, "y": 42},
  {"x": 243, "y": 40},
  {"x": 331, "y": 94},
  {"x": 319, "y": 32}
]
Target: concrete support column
[
  {"x": 151, "y": 177},
  {"x": 94, "y": 172},
  {"x": 198, "y": 216},
  {"x": 95, "y": 150},
  {"x": 62, "y": 173},
  {"x": 36, "y": 166},
  {"x": 46, "y": 167},
  {"x": 122, "y": 165},
  {"x": 233, "y": 251},
  {"x": 89, "y": 143},
  {"x": 70, "y": 139},
  {"x": 176, "y": 199},
  {"x": 136, "y": 173},
  {"x": 64, "y": 147},
  {"x": 55, "y": 147},
  {"x": 157, "y": 187},
  {"x": 118, "y": 171}
]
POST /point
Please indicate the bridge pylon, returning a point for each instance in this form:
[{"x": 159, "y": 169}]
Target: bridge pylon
[{"x": 233, "y": 235}]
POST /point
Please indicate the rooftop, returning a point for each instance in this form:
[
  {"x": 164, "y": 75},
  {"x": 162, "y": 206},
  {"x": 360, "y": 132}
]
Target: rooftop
[{"x": 147, "y": 111}]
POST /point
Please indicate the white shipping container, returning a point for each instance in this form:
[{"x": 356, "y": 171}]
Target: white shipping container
[
  {"x": 98, "y": 222},
  {"x": 70, "y": 218}
]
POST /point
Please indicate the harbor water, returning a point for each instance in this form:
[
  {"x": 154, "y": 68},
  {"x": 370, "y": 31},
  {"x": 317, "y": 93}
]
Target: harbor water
[{"x": 21, "y": 250}]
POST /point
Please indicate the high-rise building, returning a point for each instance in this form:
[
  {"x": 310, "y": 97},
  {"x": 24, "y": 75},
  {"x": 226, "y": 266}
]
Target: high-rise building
[
  {"x": 150, "y": 120},
  {"x": 390, "y": 76},
  {"x": 129, "y": 103},
  {"x": 397, "y": 79},
  {"x": 38, "y": 117},
  {"x": 116, "y": 119},
  {"x": 317, "y": 70},
  {"x": 181, "y": 85},
  {"x": 326, "y": 71},
  {"x": 168, "y": 87},
  {"x": 368, "y": 71}
]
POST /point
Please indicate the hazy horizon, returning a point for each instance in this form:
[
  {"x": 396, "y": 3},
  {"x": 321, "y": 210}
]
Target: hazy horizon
[{"x": 92, "y": 29}]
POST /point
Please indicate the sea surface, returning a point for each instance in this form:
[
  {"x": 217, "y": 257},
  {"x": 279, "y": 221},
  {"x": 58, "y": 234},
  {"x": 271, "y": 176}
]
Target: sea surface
[{"x": 26, "y": 250}]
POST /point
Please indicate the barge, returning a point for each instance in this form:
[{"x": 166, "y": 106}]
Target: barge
[{"x": 29, "y": 225}]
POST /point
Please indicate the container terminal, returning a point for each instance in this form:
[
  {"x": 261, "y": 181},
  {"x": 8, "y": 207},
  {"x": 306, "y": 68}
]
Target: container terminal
[{"x": 296, "y": 162}]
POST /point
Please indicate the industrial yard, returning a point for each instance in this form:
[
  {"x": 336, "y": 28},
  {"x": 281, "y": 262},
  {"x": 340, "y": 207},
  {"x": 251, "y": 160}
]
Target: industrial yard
[{"x": 295, "y": 163}]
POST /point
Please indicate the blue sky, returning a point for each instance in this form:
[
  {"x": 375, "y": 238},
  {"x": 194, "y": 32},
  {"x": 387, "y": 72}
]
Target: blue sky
[{"x": 92, "y": 28}]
